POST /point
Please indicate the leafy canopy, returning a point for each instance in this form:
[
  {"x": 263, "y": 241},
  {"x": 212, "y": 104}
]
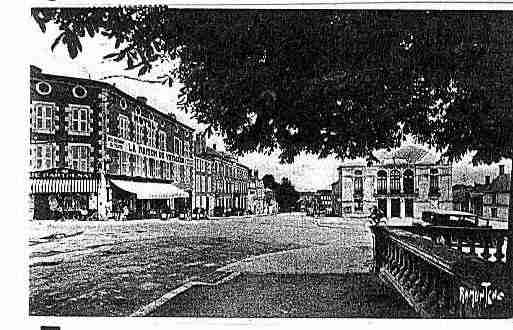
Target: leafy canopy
[{"x": 325, "y": 82}]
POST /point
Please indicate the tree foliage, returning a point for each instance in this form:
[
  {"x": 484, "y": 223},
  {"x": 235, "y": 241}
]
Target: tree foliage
[
  {"x": 269, "y": 181},
  {"x": 325, "y": 82}
]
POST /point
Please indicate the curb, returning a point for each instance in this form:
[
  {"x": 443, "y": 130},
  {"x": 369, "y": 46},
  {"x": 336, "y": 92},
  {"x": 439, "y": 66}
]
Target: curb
[{"x": 151, "y": 307}]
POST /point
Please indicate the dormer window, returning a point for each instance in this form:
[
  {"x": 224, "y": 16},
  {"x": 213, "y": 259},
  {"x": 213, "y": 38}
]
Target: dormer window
[
  {"x": 79, "y": 92},
  {"x": 43, "y": 88}
]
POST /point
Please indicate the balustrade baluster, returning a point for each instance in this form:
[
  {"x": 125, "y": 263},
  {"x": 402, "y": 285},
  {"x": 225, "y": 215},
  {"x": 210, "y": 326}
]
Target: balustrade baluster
[
  {"x": 460, "y": 243},
  {"x": 472, "y": 245},
  {"x": 485, "y": 241},
  {"x": 498, "y": 253},
  {"x": 431, "y": 301}
]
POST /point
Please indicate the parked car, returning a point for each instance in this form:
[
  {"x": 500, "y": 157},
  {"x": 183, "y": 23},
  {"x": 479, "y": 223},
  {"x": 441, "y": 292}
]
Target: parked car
[{"x": 451, "y": 218}]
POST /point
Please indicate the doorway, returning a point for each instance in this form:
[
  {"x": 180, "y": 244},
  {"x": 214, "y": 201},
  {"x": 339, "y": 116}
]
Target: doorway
[
  {"x": 395, "y": 208},
  {"x": 408, "y": 207}
]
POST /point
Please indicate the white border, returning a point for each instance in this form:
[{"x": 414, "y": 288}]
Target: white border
[{"x": 15, "y": 172}]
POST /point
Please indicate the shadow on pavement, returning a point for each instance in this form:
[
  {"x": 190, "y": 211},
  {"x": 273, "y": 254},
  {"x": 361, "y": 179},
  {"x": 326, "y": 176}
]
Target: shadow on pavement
[{"x": 291, "y": 296}]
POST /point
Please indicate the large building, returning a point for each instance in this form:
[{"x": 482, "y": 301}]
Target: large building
[
  {"x": 221, "y": 181},
  {"x": 401, "y": 183},
  {"x": 96, "y": 149}
]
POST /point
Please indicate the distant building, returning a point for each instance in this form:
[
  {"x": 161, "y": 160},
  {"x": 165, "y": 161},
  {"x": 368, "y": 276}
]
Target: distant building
[
  {"x": 324, "y": 197},
  {"x": 256, "y": 194},
  {"x": 221, "y": 181},
  {"x": 336, "y": 197},
  {"x": 402, "y": 183},
  {"x": 496, "y": 197}
]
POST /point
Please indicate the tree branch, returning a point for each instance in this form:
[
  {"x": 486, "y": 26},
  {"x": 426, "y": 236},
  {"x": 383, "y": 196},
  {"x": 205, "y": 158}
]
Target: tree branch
[{"x": 150, "y": 81}]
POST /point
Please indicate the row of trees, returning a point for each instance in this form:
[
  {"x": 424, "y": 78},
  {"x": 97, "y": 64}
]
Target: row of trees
[{"x": 284, "y": 192}]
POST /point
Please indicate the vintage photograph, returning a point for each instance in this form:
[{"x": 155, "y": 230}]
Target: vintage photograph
[{"x": 270, "y": 163}]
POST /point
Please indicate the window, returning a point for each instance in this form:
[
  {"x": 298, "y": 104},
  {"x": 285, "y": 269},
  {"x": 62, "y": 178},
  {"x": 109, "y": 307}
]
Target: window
[
  {"x": 176, "y": 149},
  {"x": 158, "y": 172},
  {"x": 186, "y": 149},
  {"x": 79, "y": 120},
  {"x": 79, "y": 157},
  {"x": 182, "y": 173},
  {"x": 494, "y": 199},
  {"x": 43, "y": 117},
  {"x": 42, "y": 157},
  {"x": 139, "y": 165},
  {"x": 433, "y": 181},
  {"x": 79, "y": 92},
  {"x": 382, "y": 182},
  {"x": 139, "y": 131},
  {"x": 162, "y": 140},
  {"x": 124, "y": 127},
  {"x": 151, "y": 162},
  {"x": 124, "y": 163},
  {"x": 395, "y": 182},
  {"x": 43, "y": 88},
  {"x": 358, "y": 182},
  {"x": 494, "y": 212},
  {"x": 408, "y": 182}
]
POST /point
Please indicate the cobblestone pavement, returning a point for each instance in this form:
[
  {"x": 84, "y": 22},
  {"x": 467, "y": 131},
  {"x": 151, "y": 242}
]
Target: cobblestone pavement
[{"x": 113, "y": 268}]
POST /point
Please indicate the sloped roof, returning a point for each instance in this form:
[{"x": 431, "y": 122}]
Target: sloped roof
[
  {"x": 411, "y": 155},
  {"x": 501, "y": 183}
]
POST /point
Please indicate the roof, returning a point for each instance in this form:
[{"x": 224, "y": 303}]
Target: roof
[
  {"x": 501, "y": 183},
  {"x": 101, "y": 84},
  {"x": 410, "y": 154}
]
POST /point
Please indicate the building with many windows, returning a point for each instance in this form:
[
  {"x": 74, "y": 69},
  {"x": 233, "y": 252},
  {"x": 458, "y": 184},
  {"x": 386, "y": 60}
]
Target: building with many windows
[
  {"x": 222, "y": 182},
  {"x": 401, "y": 183},
  {"x": 97, "y": 149},
  {"x": 256, "y": 194}
]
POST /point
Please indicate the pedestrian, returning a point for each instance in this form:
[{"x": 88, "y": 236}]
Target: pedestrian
[{"x": 125, "y": 212}]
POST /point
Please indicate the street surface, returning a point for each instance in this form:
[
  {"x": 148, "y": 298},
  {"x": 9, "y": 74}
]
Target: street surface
[{"x": 114, "y": 268}]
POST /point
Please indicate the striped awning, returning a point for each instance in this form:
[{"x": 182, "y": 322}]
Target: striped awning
[
  {"x": 151, "y": 190},
  {"x": 58, "y": 185}
]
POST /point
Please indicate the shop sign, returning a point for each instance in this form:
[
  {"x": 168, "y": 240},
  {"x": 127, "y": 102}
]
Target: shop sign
[{"x": 119, "y": 144}]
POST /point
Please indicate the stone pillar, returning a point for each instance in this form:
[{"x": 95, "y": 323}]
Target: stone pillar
[
  {"x": 389, "y": 208},
  {"x": 402, "y": 207}
]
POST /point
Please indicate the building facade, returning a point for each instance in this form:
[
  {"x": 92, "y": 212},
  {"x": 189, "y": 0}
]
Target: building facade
[
  {"x": 496, "y": 197},
  {"x": 401, "y": 183},
  {"x": 222, "y": 182},
  {"x": 256, "y": 194},
  {"x": 325, "y": 199},
  {"x": 336, "y": 197},
  {"x": 97, "y": 149}
]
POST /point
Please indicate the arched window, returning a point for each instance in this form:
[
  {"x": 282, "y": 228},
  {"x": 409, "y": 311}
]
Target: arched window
[
  {"x": 408, "y": 182},
  {"x": 382, "y": 182},
  {"x": 433, "y": 181},
  {"x": 358, "y": 182},
  {"x": 395, "y": 181}
]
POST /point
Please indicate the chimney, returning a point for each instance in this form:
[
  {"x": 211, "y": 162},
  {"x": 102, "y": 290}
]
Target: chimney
[
  {"x": 142, "y": 99},
  {"x": 501, "y": 169},
  {"x": 214, "y": 146},
  {"x": 35, "y": 69},
  {"x": 487, "y": 180}
]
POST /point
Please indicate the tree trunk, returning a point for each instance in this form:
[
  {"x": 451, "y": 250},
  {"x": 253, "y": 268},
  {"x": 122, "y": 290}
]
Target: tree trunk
[{"x": 509, "y": 249}]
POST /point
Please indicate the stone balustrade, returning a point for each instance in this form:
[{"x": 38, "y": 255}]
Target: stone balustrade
[{"x": 446, "y": 272}]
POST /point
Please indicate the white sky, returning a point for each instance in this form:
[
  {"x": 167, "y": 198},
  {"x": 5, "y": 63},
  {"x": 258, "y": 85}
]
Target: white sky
[{"x": 306, "y": 173}]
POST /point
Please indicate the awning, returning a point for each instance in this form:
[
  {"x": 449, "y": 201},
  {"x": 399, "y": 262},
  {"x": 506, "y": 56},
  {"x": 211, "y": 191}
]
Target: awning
[
  {"x": 150, "y": 190},
  {"x": 56, "y": 185}
]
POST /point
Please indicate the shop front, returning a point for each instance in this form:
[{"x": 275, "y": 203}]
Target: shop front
[
  {"x": 146, "y": 200},
  {"x": 62, "y": 193}
]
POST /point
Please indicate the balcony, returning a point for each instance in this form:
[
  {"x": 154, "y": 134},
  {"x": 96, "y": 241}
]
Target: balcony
[{"x": 446, "y": 272}]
